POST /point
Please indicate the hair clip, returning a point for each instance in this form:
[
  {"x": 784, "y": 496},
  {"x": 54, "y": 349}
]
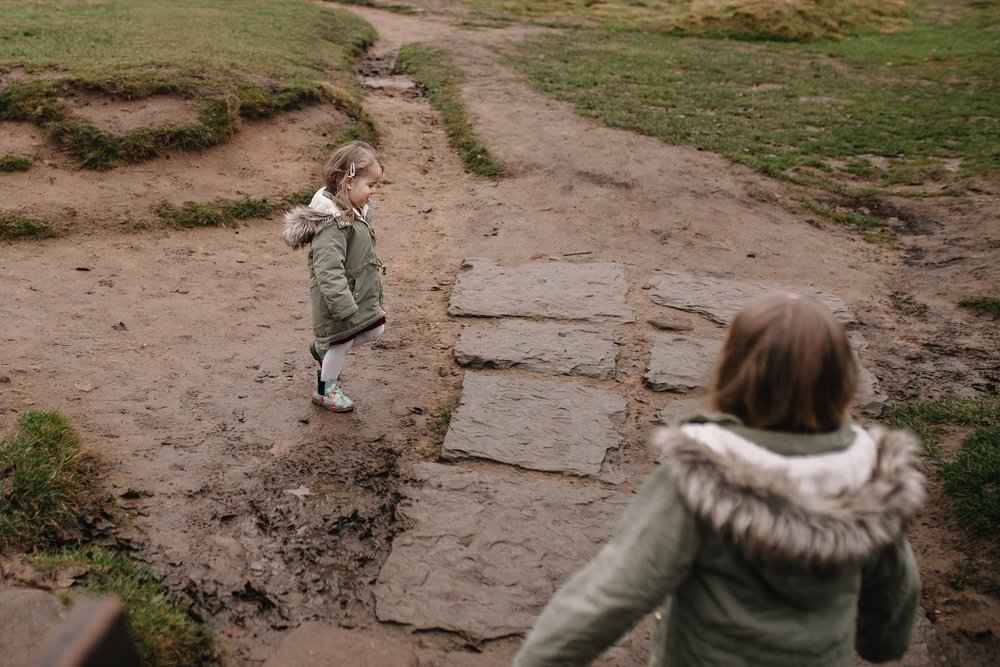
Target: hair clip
[{"x": 351, "y": 171}]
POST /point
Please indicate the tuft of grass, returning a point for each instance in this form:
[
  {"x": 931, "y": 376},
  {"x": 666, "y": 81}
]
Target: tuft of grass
[
  {"x": 245, "y": 60},
  {"x": 165, "y": 634},
  {"x": 17, "y": 227},
  {"x": 982, "y": 305},
  {"x": 217, "y": 213},
  {"x": 929, "y": 420},
  {"x": 889, "y": 110},
  {"x": 973, "y": 480},
  {"x": 45, "y": 480},
  {"x": 433, "y": 68},
  {"x": 439, "y": 425},
  {"x": 13, "y": 162}
]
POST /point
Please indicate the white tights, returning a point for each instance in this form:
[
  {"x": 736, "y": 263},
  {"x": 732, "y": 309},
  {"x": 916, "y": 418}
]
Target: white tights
[{"x": 333, "y": 360}]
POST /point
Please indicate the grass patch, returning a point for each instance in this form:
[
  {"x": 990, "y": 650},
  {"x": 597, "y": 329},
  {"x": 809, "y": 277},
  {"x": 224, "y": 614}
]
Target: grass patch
[
  {"x": 244, "y": 60},
  {"x": 746, "y": 19},
  {"x": 886, "y": 109},
  {"x": 971, "y": 478},
  {"x": 15, "y": 163},
  {"x": 439, "y": 425},
  {"x": 17, "y": 227},
  {"x": 164, "y": 633},
  {"x": 982, "y": 305},
  {"x": 434, "y": 69},
  {"x": 221, "y": 212},
  {"x": 45, "y": 480}
]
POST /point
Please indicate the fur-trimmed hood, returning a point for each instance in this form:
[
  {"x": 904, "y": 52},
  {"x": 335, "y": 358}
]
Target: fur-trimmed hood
[
  {"x": 303, "y": 223},
  {"x": 823, "y": 510}
]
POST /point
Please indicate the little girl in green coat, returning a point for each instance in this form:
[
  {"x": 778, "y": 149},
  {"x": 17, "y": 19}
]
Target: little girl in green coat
[
  {"x": 773, "y": 532},
  {"x": 345, "y": 290}
]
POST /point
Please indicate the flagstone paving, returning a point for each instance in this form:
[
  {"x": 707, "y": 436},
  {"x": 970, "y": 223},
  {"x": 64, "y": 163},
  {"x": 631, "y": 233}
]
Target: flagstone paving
[
  {"x": 557, "y": 290},
  {"x": 553, "y": 349},
  {"x": 486, "y": 550},
  {"x": 487, "y": 545},
  {"x": 537, "y": 424},
  {"x": 719, "y": 300}
]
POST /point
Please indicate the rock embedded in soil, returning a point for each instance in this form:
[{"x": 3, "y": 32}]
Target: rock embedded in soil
[
  {"x": 555, "y": 349},
  {"x": 680, "y": 364},
  {"x": 556, "y": 290},
  {"x": 484, "y": 552},
  {"x": 534, "y": 424},
  {"x": 719, "y": 300}
]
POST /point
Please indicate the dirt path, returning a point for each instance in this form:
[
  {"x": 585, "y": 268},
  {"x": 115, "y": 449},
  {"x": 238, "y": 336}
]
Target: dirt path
[{"x": 181, "y": 355}]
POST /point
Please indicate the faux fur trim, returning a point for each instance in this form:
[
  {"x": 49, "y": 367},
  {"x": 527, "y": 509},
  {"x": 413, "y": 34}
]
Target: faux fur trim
[
  {"x": 303, "y": 223},
  {"x": 784, "y": 511}
]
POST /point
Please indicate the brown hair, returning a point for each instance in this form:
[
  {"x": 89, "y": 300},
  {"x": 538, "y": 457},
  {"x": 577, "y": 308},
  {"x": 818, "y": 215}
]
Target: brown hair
[
  {"x": 786, "y": 366},
  {"x": 354, "y": 155}
]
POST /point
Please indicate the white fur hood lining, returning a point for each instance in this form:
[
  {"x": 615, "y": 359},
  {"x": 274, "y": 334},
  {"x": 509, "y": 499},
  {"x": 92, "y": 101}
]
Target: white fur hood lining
[{"x": 822, "y": 510}]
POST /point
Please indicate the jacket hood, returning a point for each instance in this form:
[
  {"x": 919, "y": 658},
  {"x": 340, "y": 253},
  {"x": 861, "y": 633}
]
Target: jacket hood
[
  {"x": 302, "y": 223},
  {"x": 823, "y": 510}
]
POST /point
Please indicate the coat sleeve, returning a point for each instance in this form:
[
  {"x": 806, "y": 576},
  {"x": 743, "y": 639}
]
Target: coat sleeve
[
  {"x": 650, "y": 554},
  {"x": 329, "y": 251},
  {"x": 887, "y": 608}
]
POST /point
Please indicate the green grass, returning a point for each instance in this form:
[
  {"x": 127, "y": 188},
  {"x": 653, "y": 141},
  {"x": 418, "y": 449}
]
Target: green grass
[
  {"x": 433, "y": 68},
  {"x": 13, "y": 162},
  {"x": 164, "y": 633},
  {"x": 875, "y": 111},
  {"x": 251, "y": 59},
  {"x": 746, "y": 19},
  {"x": 17, "y": 227},
  {"x": 971, "y": 478},
  {"x": 982, "y": 305},
  {"x": 45, "y": 480}
]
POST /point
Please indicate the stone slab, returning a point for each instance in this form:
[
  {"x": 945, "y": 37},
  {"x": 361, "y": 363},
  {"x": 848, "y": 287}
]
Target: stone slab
[
  {"x": 485, "y": 552},
  {"x": 315, "y": 644},
  {"x": 27, "y": 616},
  {"x": 719, "y": 300},
  {"x": 566, "y": 291},
  {"x": 541, "y": 347},
  {"x": 534, "y": 424},
  {"x": 681, "y": 364}
]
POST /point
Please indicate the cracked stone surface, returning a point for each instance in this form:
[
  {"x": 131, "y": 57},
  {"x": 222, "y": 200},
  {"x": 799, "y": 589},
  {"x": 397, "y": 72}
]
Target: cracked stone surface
[
  {"x": 536, "y": 424},
  {"x": 558, "y": 290},
  {"x": 485, "y": 552},
  {"x": 681, "y": 364},
  {"x": 719, "y": 300},
  {"x": 541, "y": 347}
]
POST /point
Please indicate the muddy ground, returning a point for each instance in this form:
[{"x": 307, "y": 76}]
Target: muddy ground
[{"x": 181, "y": 355}]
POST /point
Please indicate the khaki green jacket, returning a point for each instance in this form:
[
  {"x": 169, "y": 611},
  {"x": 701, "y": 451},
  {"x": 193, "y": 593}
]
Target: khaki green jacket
[
  {"x": 752, "y": 548},
  {"x": 345, "y": 290}
]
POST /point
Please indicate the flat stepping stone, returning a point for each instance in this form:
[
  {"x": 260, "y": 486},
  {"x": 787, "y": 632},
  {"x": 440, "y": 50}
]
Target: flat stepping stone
[
  {"x": 681, "y": 364},
  {"x": 720, "y": 300},
  {"x": 535, "y": 424},
  {"x": 870, "y": 400},
  {"x": 556, "y": 349},
  {"x": 556, "y": 290},
  {"x": 485, "y": 552}
]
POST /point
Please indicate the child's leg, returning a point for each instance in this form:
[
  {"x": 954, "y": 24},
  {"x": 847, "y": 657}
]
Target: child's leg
[
  {"x": 370, "y": 335},
  {"x": 333, "y": 361}
]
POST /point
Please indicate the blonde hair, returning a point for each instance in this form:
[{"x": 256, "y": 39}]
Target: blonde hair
[
  {"x": 786, "y": 366},
  {"x": 347, "y": 162}
]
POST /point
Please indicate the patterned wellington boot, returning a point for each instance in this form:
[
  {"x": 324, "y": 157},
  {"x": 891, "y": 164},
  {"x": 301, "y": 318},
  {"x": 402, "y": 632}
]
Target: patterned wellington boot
[
  {"x": 318, "y": 351},
  {"x": 329, "y": 396}
]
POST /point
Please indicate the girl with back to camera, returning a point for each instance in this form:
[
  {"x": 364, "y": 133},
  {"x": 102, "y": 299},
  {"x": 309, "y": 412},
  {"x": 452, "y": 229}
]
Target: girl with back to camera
[
  {"x": 345, "y": 290},
  {"x": 774, "y": 531}
]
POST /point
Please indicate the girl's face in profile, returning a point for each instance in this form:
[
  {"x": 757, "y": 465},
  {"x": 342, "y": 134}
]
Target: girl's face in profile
[{"x": 362, "y": 188}]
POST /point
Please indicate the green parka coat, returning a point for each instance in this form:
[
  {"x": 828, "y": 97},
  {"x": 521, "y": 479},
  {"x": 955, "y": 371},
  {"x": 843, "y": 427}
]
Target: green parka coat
[
  {"x": 752, "y": 548},
  {"x": 345, "y": 290}
]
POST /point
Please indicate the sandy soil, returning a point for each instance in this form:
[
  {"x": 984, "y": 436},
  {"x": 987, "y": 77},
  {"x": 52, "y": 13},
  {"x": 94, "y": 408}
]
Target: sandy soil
[{"x": 181, "y": 355}]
